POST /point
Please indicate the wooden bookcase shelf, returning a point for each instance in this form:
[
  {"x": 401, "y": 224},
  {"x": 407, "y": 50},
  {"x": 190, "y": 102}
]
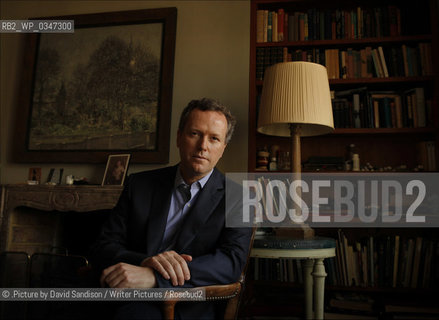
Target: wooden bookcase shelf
[
  {"x": 268, "y": 277},
  {"x": 356, "y": 131},
  {"x": 376, "y": 289},
  {"x": 383, "y": 145},
  {"x": 364, "y": 81},
  {"x": 389, "y": 80},
  {"x": 344, "y": 42},
  {"x": 416, "y": 27}
]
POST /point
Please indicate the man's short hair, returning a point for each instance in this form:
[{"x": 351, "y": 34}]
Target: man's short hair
[{"x": 207, "y": 104}]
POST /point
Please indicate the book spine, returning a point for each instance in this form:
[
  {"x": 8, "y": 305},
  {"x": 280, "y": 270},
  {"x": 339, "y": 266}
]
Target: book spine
[
  {"x": 356, "y": 105},
  {"x": 301, "y": 27},
  {"x": 431, "y": 152},
  {"x": 270, "y": 27},
  {"x": 280, "y": 24},
  {"x": 371, "y": 252},
  {"x": 420, "y": 107},
  {"x": 416, "y": 263},
  {"x": 376, "y": 63},
  {"x": 260, "y": 26},
  {"x": 409, "y": 265},
  {"x": 265, "y": 26},
  {"x": 383, "y": 61},
  {"x": 398, "y": 109},
  {"x": 275, "y": 31},
  {"x": 395, "y": 261},
  {"x": 405, "y": 60}
]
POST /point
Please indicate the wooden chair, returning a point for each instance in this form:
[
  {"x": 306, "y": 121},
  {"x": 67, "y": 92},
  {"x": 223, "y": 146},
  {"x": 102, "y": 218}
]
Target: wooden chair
[
  {"x": 14, "y": 268},
  {"x": 50, "y": 270},
  {"x": 231, "y": 292}
]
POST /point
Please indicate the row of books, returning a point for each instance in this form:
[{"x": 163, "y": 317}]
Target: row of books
[
  {"x": 315, "y": 24},
  {"x": 352, "y": 302},
  {"x": 402, "y": 61},
  {"x": 360, "y": 306},
  {"x": 283, "y": 270},
  {"x": 388, "y": 261},
  {"x": 353, "y": 305},
  {"x": 361, "y": 108},
  {"x": 368, "y": 62},
  {"x": 391, "y": 261}
]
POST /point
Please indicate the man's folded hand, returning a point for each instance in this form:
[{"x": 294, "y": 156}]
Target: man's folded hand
[
  {"x": 171, "y": 265},
  {"x": 124, "y": 275}
]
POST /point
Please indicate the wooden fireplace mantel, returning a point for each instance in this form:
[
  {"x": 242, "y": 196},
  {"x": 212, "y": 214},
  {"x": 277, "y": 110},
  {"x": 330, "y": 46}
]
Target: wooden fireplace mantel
[{"x": 53, "y": 198}]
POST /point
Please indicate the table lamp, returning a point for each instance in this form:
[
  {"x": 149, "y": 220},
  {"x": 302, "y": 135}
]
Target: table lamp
[{"x": 295, "y": 102}]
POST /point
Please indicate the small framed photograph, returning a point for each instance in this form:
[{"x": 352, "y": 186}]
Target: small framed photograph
[
  {"x": 55, "y": 176},
  {"x": 116, "y": 169},
  {"x": 34, "y": 176}
]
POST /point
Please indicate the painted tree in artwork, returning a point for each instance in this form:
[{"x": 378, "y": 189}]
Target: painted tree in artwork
[
  {"x": 113, "y": 91},
  {"x": 46, "y": 86},
  {"x": 119, "y": 76}
]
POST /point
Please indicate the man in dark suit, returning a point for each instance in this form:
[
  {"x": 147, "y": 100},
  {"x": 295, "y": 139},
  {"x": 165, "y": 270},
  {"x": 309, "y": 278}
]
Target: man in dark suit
[{"x": 168, "y": 228}]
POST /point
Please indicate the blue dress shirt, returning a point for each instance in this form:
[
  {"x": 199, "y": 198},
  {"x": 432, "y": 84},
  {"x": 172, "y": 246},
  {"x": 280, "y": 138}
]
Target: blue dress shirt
[{"x": 179, "y": 209}]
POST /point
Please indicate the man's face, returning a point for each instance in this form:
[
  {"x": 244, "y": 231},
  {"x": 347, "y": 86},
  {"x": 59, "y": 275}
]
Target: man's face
[{"x": 201, "y": 143}]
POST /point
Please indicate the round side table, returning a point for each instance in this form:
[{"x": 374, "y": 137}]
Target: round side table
[{"x": 312, "y": 252}]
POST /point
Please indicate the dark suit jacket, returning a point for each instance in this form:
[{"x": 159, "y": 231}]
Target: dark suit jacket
[{"x": 136, "y": 227}]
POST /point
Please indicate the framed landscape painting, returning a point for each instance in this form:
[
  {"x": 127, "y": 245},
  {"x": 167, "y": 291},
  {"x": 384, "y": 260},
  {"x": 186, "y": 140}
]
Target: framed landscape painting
[{"x": 105, "y": 88}]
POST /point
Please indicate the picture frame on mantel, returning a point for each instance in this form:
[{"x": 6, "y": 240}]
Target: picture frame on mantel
[
  {"x": 106, "y": 88},
  {"x": 116, "y": 170}
]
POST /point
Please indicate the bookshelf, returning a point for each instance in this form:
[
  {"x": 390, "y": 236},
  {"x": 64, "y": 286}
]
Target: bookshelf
[
  {"x": 408, "y": 96},
  {"x": 397, "y": 144},
  {"x": 395, "y": 283}
]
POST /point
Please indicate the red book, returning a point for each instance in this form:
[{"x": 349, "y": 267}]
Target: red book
[
  {"x": 301, "y": 26},
  {"x": 333, "y": 26},
  {"x": 393, "y": 21},
  {"x": 280, "y": 24}
]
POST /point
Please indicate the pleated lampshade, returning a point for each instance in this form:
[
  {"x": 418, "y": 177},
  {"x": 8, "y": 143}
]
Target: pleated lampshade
[{"x": 295, "y": 93}]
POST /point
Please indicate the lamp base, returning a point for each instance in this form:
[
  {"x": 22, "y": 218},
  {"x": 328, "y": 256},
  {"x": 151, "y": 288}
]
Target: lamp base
[{"x": 300, "y": 232}]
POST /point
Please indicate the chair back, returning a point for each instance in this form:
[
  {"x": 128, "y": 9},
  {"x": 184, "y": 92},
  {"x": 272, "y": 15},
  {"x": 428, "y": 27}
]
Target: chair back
[
  {"x": 14, "y": 267},
  {"x": 227, "y": 292},
  {"x": 48, "y": 270},
  {"x": 233, "y": 304}
]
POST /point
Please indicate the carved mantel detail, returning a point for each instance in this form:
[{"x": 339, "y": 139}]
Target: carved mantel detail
[{"x": 53, "y": 198}]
